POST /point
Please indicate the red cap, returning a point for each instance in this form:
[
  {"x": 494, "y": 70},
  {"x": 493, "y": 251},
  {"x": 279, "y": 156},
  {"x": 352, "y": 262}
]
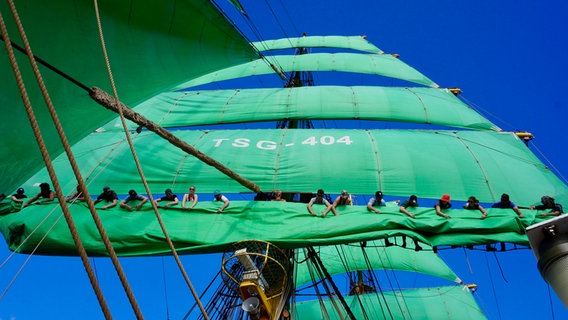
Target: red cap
[{"x": 445, "y": 198}]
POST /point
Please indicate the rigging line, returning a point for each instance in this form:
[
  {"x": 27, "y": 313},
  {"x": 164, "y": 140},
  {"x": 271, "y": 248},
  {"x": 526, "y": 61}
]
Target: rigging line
[
  {"x": 550, "y": 301},
  {"x": 50, "y": 67},
  {"x": 321, "y": 266},
  {"x": 370, "y": 267},
  {"x": 492, "y": 286},
  {"x": 43, "y": 149},
  {"x": 165, "y": 288},
  {"x": 203, "y": 294},
  {"x": 500, "y": 268},
  {"x": 29, "y": 258},
  {"x": 398, "y": 287},
  {"x": 485, "y": 176},
  {"x": 141, "y": 173},
  {"x": 311, "y": 265},
  {"x": 550, "y": 164}
]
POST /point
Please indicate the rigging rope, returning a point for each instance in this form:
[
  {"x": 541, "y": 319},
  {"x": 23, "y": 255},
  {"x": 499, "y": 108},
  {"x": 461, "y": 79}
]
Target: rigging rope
[
  {"x": 138, "y": 166},
  {"x": 44, "y": 152}
]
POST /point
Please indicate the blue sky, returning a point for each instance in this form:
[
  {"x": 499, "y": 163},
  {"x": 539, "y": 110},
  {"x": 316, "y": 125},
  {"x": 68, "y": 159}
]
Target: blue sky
[{"x": 508, "y": 57}]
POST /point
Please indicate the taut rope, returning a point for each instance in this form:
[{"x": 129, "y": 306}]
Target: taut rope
[{"x": 140, "y": 171}]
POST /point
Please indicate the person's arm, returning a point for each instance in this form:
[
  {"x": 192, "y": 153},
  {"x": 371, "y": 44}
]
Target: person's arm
[
  {"x": 194, "y": 201},
  {"x": 371, "y": 208},
  {"x": 225, "y": 204},
  {"x": 310, "y": 208},
  {"x": 185, "y": 197},
  {"x": 143, "y": 201},
  {"x": 483, "y": 212},
  {"x": 32, "y": 199},
  {"x": 110, "y": 205},
  {"x": 403, "y": 210},
  {"x": 16, "y": 199},
  {"x": 516, "y": 209},
  {"x": 440, "y": 213},
  {"x": 172, "y": 203},
  {"x": 330, "y": 207},
  {"x": 123, "y": 204}
]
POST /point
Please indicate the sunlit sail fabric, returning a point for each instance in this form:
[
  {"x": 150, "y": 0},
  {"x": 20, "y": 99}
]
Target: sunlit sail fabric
[
  {"x": 285, "y": 224},
  {"x": 346, "y": 258},
  {"x": 415, "y": 104},
  {"x": 455, "y": 302},
  {"x": 398, "y": 162},
  {"x": 377, "y": 64},
  {"x": 353, "y": 42},
  {"x": 149, "y": 43}
]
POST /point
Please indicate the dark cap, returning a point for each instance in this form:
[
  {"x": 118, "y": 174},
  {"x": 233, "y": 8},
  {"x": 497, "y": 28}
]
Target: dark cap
[
  {"x": 379, "y": 194},
  {"x": 168, "y": 190},
  {"x": 106, "y": 188},
  {"x": 132, "y": 193},
  {"x": 504, "y": 197},
  {"x": 413, "y": 198},
  {"x": 20, "y": 190}
]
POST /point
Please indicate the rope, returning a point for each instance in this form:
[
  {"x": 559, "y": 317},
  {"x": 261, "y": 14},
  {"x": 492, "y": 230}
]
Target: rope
[
  {"x": 46, "y": 157},
  {"x": 135, "y": 156}
]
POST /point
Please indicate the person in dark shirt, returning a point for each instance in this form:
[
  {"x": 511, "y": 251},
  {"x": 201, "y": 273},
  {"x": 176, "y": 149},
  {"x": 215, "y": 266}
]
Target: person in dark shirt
[
  {"x": 45, "y": 193},
  {"x": 548, "y": 203},
  {"x": 507, "y": 203},
  {"x": 108, "y": 195},
  {"x": 133, "y": 196},
  {"x": 170, "y": 197},
  {"x": 411, "y": 202},
  {"x": 443, "y": 204},
  {"x": 473, "y": 204}
]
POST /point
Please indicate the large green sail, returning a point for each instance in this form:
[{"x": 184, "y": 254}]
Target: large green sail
[
  {"x": 64, "y": 34},
  {"x": 398, "y": 162},
  {"x": 209, "y": 107}
]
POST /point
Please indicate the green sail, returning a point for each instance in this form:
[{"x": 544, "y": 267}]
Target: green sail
[
  {"x": 398, "y": 162},
  {"x": 455, "y": 302},
  {"x": 376, "y": 64},
  {"x": 416, "y": 105},
  {"x": 65, "y": 35},
  {"x": 347, "y": 258},
  {"x": 353, "y": 42},
  {"x": 285, "y": 224}
]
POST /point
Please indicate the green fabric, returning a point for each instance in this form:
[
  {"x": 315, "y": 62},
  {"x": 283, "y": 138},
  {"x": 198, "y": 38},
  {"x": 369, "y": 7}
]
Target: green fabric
[
  {"x": 64, "y": 33},
  {"x": 398, "y": 162},
  {"x": 417, "y": 104},
  {"x": 455, "y": 302},
  {"x": 286, "y": 224},
  {"x": 353, "y": 42},
  {"x": 377, "y": 64},
  {"x": 346, "y": 258}
]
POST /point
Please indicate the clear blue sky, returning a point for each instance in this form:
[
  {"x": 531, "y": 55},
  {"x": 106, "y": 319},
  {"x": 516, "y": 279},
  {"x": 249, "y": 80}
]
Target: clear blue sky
[{"x": 508, "y": 57}]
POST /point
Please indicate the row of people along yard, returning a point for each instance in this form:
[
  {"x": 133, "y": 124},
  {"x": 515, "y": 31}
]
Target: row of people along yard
[{"x": 191, "y": 199}]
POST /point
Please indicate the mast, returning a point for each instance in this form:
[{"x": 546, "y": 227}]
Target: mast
[{"x": 298, "y": 79}]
